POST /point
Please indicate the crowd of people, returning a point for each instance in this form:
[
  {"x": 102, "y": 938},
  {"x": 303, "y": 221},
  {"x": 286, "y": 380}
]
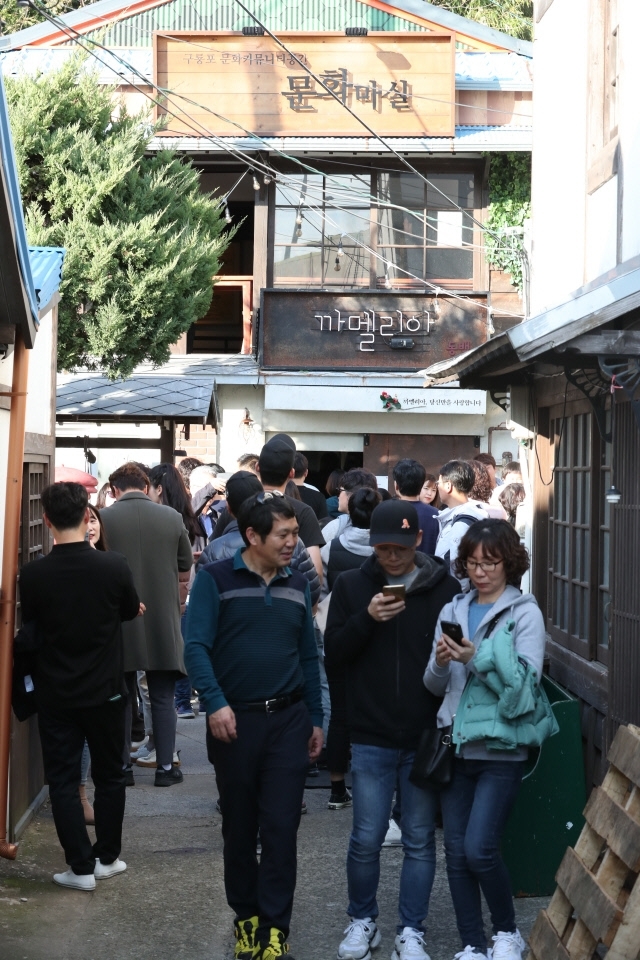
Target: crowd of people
[{"x": 349, "y": 628}]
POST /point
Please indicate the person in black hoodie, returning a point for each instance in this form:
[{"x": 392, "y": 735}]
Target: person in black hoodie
[{"x": 384, "y": 643}]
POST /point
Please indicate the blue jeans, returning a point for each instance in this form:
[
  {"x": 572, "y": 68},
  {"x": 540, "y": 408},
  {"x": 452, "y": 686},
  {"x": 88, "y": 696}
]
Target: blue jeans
[
  {"x": 373, "y": 772},
  {"x": 475, "y": 809}
]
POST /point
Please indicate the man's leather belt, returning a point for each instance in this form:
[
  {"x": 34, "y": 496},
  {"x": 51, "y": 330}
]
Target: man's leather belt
[{"x": 270, "y": 706}]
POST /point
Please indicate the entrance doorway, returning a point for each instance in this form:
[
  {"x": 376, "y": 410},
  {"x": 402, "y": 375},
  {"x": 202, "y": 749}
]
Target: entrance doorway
[{"x": 385, "y": 450}]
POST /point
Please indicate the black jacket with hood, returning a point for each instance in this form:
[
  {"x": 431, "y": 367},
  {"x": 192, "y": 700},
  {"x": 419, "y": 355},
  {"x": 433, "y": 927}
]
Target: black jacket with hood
[{"x": 387, "y": 702}]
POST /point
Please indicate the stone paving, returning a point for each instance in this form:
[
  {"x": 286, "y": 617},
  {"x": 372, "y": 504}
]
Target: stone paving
[{"x": 170, "y": 903}]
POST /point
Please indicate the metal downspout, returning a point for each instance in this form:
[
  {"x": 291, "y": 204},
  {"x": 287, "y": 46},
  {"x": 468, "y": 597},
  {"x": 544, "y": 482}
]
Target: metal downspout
[{"x": 10, "y": 574}]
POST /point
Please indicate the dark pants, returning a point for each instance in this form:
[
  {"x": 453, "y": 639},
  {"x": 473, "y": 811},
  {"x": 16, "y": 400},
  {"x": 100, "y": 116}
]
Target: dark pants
[
  {"x": 260, "y": 779},
  {"x": 62, "y": 734},
  {"x": 338, "y": 739},
  {"x": 161, "y": 685},
  {"x": 475, "y": 809},
  {"x": 182, "y": 695}
]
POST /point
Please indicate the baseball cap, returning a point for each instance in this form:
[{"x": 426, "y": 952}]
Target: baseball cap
[
  {"x": 285, "y": 439},
  {"x": 394, "y": 521},
  {"x": 276, "y": 457},
  {"x": 241, "y": 486}
]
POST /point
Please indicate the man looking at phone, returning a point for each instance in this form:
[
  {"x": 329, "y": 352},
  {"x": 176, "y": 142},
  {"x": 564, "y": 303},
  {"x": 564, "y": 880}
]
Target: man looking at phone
[{"x": 380, "y": 627}]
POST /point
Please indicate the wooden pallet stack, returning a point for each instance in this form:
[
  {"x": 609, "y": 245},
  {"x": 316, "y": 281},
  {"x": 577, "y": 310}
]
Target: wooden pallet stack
[{"x": 597, "y": 901}]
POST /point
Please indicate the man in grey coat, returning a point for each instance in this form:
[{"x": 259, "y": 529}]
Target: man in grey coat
[{"x": 153, "y": 539}]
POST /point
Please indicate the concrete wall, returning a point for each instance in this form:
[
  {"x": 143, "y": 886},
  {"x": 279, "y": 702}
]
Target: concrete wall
[{"x": 585, "y": 220}]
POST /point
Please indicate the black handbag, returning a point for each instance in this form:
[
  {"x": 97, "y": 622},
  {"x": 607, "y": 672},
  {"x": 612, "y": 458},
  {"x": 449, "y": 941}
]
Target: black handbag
[
  {"x": 433, "y": 763},
  {"x": 26, "y": 644}
]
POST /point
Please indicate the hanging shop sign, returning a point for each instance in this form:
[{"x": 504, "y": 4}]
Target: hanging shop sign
[
  {"x": 400, "y": 84},
  {"x": 371, "y": 399},
  {"x": 367, "y": 330}
]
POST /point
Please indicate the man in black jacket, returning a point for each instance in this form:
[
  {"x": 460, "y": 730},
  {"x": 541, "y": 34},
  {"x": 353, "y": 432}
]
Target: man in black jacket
[
  {"x": 385, "y": 643},
  {"x": 77, "y": 598}
]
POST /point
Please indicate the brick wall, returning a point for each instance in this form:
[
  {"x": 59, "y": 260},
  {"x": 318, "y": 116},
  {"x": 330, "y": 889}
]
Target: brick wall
[{"x": 201, "y": 444}]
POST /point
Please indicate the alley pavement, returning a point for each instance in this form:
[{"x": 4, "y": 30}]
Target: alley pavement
[{"x": 170, "y": 903}]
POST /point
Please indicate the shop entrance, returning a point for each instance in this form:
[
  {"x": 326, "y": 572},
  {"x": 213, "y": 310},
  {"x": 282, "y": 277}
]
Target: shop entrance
[
  {"x": 323, "y": 462},
  {"x": 385, "y": 450}
]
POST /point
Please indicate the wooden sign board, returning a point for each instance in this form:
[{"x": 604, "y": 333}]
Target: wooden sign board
[
  {"x": 400, "y": 84},
  {"x": 366, "y": 330}
]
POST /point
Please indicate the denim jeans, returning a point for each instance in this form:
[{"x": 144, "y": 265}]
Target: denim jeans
[
  {"x": 373, "y": 772},
  {"x": 475, "y": 809}
]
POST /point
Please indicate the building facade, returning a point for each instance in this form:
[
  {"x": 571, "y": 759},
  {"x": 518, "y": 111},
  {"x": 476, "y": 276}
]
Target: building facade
[{"x": 352, "y": 144}]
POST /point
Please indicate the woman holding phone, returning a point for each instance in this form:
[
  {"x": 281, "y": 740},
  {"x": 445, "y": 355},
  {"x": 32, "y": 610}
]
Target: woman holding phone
[{"x": 485, "y": 782}]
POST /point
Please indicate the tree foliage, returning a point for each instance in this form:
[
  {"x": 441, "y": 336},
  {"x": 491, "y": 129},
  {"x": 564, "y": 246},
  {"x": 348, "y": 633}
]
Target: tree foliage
[
  {"x": 514, "y": 17},
  {"x": 142, "y": 242},
  {"x": 509, "y": 207},
  {"x": 16, "y": 18}
]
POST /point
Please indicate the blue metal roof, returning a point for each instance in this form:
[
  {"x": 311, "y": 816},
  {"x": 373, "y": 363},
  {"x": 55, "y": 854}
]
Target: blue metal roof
[
  {"x": 46, "y": 269},
  {"x": 12, "y": 187}
]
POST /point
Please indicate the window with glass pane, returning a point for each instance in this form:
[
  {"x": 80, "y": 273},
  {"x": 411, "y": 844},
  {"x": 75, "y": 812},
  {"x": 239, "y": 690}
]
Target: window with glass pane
[
  {"x": 322, "y": 231},
  {"x": 425, "y": 230},
  {"x": 578, "y": 597},
  {"x": 604, "y": 598}
]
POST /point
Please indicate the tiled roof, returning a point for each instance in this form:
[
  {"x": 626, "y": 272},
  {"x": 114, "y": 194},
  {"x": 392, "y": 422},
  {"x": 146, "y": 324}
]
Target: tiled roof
[{"x": 94, "y": 397}]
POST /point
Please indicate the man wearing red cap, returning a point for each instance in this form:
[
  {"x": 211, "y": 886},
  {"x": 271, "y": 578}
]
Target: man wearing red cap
[{"x": 383, "y": 642}]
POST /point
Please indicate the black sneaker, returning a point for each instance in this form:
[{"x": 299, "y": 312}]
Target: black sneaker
[
  {"x": 274, "y": 948},
  {"x": 339, "y": 800},
  {"x": 167, "y": 778},
  {"x": 128, "y": 777}
]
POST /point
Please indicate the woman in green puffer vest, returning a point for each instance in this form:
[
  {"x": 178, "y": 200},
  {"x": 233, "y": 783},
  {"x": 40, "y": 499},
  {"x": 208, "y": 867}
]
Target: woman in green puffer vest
[{"x": 489, "y": 681}]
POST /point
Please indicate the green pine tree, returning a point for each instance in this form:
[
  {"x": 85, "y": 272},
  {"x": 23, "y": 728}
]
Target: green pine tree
[
  {"x": 514, "y": 17},
  {"x": 142, "y": 242}
]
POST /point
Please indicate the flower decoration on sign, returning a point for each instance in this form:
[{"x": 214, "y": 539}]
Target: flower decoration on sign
[{"x": 389, "y": 402}]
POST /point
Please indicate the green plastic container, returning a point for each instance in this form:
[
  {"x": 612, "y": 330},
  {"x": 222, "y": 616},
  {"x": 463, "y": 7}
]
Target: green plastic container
[{"x": 547, "y": 817}]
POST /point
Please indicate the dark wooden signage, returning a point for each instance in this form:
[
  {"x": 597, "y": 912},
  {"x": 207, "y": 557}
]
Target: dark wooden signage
[{"x": 366, "y": 330}]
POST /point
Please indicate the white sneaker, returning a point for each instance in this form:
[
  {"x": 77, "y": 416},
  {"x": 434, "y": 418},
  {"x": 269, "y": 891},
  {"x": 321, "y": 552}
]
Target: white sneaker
[
  {"x": 507, "y": 946},
  {"x": 409, "y": 946},
  {"x": 362, "y": 936},
  {"x": 470, "y": 953},
  {"x": 393, "y": 836},
  {"x": 148, "y": 759},
  {"x": 75, "y": 881},
  {"x": 105, "y": 870}
]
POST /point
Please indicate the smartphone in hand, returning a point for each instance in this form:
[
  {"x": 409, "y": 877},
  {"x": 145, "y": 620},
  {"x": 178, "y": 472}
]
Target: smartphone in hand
[
  {"x": 452, "y": 630},
  {"x": 396, "y": 590}
]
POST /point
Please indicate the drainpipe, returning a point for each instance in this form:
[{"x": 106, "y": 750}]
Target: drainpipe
[{"x": 10, "y": 574}]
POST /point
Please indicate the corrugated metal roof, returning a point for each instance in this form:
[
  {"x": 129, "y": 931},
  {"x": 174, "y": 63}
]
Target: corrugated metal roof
[
  {"x": 93, "y": 396},
  {"x": 46, "y": 268},
  {"x": 474, "y": 71},
  {"x": 312, "y": 15},
  {"x": 467, "y": 139},
  {"x": 10, "y": 194}
]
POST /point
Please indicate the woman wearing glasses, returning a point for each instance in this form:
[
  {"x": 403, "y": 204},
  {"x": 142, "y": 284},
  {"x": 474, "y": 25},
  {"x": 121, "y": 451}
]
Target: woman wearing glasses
[{"x": 486, "y": 778}]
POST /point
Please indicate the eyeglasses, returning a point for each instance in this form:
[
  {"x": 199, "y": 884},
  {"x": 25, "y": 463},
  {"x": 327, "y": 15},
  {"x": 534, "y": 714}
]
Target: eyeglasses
[{"x": 487, "y": 566}]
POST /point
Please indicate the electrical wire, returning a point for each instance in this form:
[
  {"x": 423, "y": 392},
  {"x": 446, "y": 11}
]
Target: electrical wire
[{"x": 251, "y": 162}]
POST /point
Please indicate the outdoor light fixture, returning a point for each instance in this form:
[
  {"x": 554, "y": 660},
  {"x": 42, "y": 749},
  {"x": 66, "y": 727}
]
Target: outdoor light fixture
[
  {"x": 299, "y": 219},
  {"x": 340, "y": 250},
  {"x": 490, "y": 327},
  {"x": 337, "y": 266},
  {"x": 227, "y": 215},
  {"x": 253, "y": 31},
  {"x": 266, "y": 180},
  {"x": 298, "y": 226},
  {"x": 356, "y": 32},
  {"x": 613, "y": 495},
  {"x": 256, "y": 185},
  {"x": 387, "y": 281},
  {"x": 435, "y": 306}
]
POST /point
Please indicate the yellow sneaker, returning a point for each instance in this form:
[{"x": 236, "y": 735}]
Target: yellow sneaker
[
  {"x": 276, "y": 947},
  {"x": 245, "y": 930}
]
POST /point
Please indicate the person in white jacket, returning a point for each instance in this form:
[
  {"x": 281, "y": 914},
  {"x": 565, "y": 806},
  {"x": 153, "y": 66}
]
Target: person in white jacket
[{"x": 455, "y": 483}]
